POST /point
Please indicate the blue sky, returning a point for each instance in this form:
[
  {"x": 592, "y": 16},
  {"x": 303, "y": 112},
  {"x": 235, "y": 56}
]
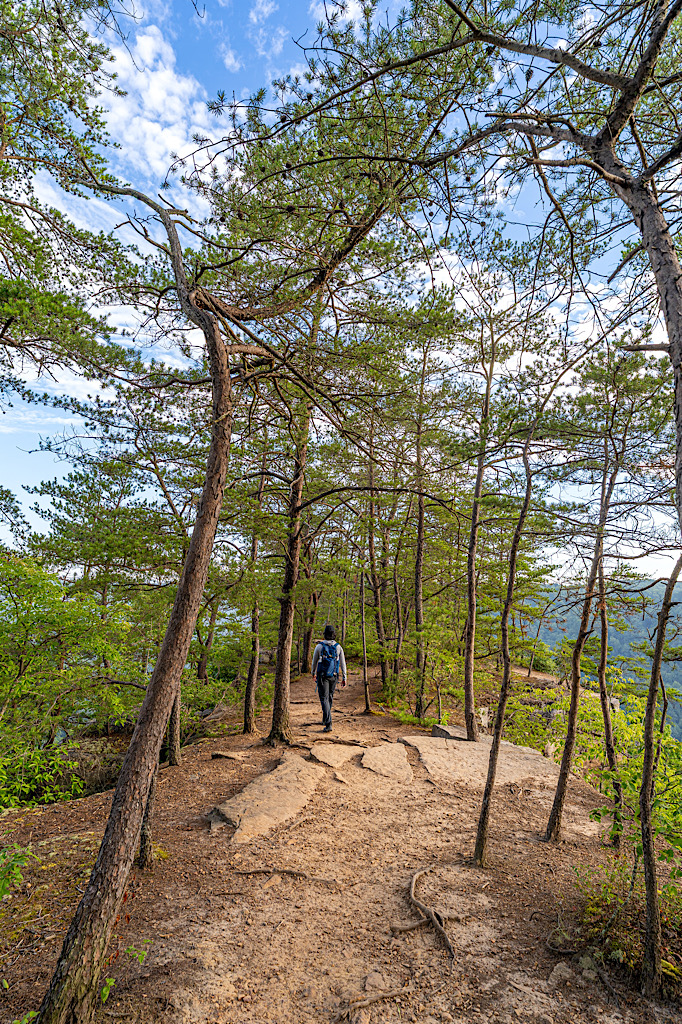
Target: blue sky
[{"x": 174, "y": 60}]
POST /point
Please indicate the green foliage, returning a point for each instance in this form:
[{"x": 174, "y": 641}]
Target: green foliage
[
  {"x": 12, "y": 859},
  {"x": 30, "y": 775},
  {"x": 613, "y": 913},
  {"x": 106, "y": 988},
  {"x": 58, "y": 650}
]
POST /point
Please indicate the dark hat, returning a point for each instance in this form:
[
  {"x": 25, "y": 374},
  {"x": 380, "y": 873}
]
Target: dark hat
[{"x": 329, "y": 632}]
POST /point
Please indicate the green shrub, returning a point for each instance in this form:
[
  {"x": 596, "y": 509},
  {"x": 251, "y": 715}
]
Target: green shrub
[
  {"x": 31, "y": 776},
  {"x": 12, "y": 859}
]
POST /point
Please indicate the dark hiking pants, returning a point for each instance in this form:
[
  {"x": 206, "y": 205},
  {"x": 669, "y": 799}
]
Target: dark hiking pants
[{"x": 325, "y": 689}]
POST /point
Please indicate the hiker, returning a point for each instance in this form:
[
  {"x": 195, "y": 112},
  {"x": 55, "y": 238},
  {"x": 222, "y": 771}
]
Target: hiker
[{"x": 328, "y": 661}]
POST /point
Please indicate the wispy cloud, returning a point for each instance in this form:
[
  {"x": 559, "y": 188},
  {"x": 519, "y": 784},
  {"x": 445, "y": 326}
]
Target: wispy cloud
[
  {"x": 230, "y": 59},
  {"x": 261, "y": 11},
  {"x": 270, "y": 44}
]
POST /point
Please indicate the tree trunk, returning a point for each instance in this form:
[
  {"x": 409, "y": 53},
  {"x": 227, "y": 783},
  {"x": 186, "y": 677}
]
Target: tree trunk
[
  {"x": 472, "y": 582},
  {"x": 606, "y": 713},
  {"x": 202, "y": 665},
  {"x": 311, "y": 616},
  {"x": 419, "y": 603},
  {"x": 344, "y": 615},
  {"x": 377, "y": 585},
  {"x": 365, "y": 677},
  {"x": 554, "y": 822},
  {"x": 667, "y": 271},
  {"x": 651, "y": 965},
  {"x": 484, "y": 817},
  {"x": 146, "y": 855},
  {"x": 71, "y": 996},
  {"x": 252, "y": 678},
  {"x": 399, "y": 629},
  {"x": 174, "y": 733},
  {"x": 280, "y": 731}
]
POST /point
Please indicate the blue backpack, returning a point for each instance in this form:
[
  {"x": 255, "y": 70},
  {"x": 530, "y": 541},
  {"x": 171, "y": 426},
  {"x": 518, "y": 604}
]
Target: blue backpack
[{"x": 328, "y": 665}]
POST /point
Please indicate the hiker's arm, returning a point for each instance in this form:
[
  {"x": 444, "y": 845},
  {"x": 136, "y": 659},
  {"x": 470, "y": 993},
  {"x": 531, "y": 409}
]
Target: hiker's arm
[
  {"x": 342, "y": 666},
  {"x": 316, "y": 658}
]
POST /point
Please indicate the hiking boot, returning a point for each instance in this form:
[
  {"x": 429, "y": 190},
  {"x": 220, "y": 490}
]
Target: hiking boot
[{"x": 327, "y": 728}]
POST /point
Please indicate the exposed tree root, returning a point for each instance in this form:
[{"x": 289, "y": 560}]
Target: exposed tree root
[
  {"x": 286, "y": 871},
  {"x": 435, "y": 918},
  {"x": 357, "y": 1004}
]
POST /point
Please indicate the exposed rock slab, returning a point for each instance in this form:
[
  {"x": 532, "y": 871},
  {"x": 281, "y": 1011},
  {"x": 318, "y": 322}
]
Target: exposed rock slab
[
  {"x": 451, "y": 760},
  {"x": 449, "y": 732},
  {"x": 334, "y": 754},
  {"x": 390, "y": 760},
  {"x": 269, "y": 800}
]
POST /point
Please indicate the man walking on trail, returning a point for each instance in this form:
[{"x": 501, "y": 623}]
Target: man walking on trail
[{"x": 329, "y": 662}]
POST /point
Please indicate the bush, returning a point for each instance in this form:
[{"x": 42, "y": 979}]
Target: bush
[
  {"x": 613, "y": 915},
  {"x": 30, "y": 776}
]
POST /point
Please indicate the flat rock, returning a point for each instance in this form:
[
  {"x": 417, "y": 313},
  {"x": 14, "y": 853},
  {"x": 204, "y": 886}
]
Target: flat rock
[
  {"x": 334, "y": 754},
  {"x": 449, "y": 732},
  {"x": 451, "y": 760},
  {"x": 390, "y": 760},
  {"x": 269, "y": 800}
]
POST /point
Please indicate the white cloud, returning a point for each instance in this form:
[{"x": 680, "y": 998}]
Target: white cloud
[
  {"x": 261, "y": 11},
  {"x": 163, "y": 108},
  {"x": 230, "y": 59},
  {"x": 270, "y": 44}
]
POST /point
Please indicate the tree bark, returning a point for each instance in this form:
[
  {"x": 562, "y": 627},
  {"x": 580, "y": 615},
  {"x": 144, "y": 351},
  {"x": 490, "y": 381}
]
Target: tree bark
[
  {"x": 365, "y": 677},
  {"x": 651, "y": 965},
  {"x": 174, "y": 755},
  {"x": 280, "y": 731},
  {"x": 146, "y": 855},
  {"x": 71, "y": 996},
  {"x": 606, "y": 713},
  {"x": 480, "y": 848}
]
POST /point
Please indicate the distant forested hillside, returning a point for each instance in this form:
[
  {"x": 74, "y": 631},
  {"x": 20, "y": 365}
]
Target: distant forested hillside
[{"x": 630, "y": 641}]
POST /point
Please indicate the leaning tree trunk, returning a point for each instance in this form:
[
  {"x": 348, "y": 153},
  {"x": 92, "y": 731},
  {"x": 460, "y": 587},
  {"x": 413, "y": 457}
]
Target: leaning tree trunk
[
  {"x": 554, "y": 823},
  {"x": 280, "y": 731},
  {"x": 609, "y": 742},
  {"x": 71, "y": 996},
  {"x": 484, "y": 817},
  {"x": 651, "y": 965}
]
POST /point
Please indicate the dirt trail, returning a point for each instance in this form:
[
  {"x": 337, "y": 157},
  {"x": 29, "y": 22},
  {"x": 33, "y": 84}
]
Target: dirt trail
[{"x": 231, "y": 944}]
